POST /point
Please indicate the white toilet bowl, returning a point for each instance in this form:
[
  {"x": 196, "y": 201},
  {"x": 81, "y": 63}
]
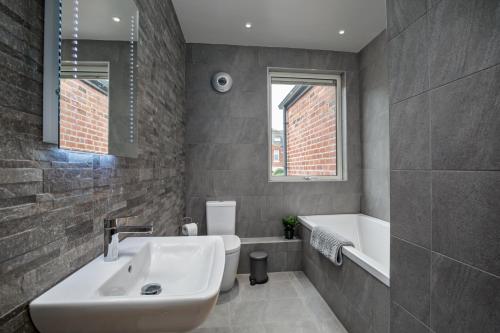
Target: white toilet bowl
[{"x": 232, "y": 245}]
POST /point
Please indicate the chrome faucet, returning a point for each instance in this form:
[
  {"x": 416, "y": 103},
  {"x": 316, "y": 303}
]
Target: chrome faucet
[{"x": 111, "y": 231}]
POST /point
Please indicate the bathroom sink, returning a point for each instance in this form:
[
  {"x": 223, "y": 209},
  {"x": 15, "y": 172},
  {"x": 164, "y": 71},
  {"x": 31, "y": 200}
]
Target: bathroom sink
[{"x": 158, "y": 284}]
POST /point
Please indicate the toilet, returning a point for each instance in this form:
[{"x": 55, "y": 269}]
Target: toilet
[{"x": 221, "y": 221}]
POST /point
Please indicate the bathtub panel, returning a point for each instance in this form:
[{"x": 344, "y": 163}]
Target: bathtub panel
[{"x": 359, "y": 300}]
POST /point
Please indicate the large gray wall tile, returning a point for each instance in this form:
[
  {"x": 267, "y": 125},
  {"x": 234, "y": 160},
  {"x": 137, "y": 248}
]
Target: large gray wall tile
[
  {"x": 465, "y": 117},
  {"x": 465, "y": 217},
  {"x": 410, "y": 278},
  {"x": 374, "y": 112},
  {"x": 376, "y": 145},
  {"x": 464, "y": 37},
  {"x": 411, "y": 206},
  {"x": 463, "y": 299},
  {"x": 402, "y": 13},
  {"x": 375, "y": 199},
  {"x": 408, "y": 64},
  {"x": 410, "y": 130}
]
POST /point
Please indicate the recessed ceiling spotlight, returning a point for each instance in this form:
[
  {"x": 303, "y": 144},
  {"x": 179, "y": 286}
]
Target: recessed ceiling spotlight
[
  {"x": 341, "y": 32},
  {"x": 116, "y": 19},
  {"x": 248, "y": 25}
]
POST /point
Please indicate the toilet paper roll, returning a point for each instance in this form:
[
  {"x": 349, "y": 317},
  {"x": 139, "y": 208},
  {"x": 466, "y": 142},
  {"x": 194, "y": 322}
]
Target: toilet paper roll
[{"x": 190, "y": 229}]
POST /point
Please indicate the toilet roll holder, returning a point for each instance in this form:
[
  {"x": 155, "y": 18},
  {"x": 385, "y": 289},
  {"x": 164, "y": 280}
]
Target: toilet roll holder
[{"x": 186, "y": 220}]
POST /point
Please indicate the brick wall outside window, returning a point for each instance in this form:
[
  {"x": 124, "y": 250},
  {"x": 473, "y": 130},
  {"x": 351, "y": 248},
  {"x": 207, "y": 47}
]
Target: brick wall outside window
[
  {"x": 311, "y": 133},
  {"x": 84, "y": 117}
]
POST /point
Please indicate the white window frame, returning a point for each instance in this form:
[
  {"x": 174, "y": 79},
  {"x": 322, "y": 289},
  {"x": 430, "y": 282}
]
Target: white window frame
[{"x": 313, "y": 75}]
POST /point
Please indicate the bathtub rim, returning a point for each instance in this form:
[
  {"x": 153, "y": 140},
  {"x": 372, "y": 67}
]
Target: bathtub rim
[{"x": 364, "y": 261}]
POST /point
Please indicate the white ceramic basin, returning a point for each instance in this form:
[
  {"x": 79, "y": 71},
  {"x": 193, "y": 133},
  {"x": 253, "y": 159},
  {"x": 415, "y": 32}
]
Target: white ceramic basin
[{"x": 106, "y": 296}]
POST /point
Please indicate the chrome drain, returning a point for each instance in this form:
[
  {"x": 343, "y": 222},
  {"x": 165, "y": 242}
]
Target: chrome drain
[{"x": 151, "y": 289}]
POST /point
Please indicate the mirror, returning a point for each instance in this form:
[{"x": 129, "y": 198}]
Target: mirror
[{"x": 97, "y": 77}]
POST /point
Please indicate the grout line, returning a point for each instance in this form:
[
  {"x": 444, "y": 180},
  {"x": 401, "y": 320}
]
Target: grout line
[
  {"x": 411, "y": 243},
  {"x": 431, "y": 231},
  {"x": 407, "y": 27},
  {"x": 411, "y": 315},
  {"x": 446, "y": 83},
  {"x": 463, "y": 77},
  {"x": 429, "y": 115},
  {"x": 466, "y": 264},
  {"x": 444, "y": 255}
]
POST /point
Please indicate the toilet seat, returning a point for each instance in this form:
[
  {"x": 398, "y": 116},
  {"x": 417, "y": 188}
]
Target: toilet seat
[{"x": 232, "y": 243}]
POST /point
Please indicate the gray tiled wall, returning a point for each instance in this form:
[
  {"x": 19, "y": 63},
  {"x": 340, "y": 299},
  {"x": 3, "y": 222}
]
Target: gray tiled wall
[
  {"x": 52, "y": 202},
  {"x": 444, "y": 62},
  {"x": 358, "y": 299},
  {"x": 374, "y": 109},
  {"x": 283, "y": 255},
  {"x": 227, "y": 138}
]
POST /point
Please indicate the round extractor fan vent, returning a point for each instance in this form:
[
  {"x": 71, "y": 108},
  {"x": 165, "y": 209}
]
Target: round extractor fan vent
[{"x": 222, "y": 82}]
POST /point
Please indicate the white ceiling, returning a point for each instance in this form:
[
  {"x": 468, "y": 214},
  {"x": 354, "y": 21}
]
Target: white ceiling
[
  {"x": 309, "y": 24},
  {"x": 96, "y": 19}
]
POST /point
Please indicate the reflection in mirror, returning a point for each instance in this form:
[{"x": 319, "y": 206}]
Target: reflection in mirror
[
  {"x": 98, "y": 76},
  {"x": 84, "y": 106}
]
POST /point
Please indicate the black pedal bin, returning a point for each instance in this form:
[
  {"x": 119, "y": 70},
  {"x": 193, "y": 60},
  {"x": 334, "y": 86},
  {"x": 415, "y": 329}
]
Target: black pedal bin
[{"x": 258, "y": 267}]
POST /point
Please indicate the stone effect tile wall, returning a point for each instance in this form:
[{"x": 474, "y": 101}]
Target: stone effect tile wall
[
  {"x": 374, "y": 109},
  {"x": 227, "y": 147},
  {"x": 52, "y": 202},
  {"x": 357, "y": 298},
  {"x": 444, "y": 73}
]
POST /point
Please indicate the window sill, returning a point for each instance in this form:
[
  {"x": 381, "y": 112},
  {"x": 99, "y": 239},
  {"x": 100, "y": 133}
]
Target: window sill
[{"x": 301, "y": 180}]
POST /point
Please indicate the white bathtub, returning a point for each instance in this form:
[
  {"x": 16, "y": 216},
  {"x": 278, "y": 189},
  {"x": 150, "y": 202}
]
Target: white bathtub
[{"x": 370, "y": 236}]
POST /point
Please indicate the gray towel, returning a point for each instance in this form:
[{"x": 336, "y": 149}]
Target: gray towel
[{"x": 329, "y": 244}]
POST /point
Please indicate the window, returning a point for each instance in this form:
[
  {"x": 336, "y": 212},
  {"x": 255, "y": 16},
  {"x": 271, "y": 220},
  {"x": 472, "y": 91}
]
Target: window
[
  {"x": 305, "y": 126},
  {"x": 276, "y": 155}
]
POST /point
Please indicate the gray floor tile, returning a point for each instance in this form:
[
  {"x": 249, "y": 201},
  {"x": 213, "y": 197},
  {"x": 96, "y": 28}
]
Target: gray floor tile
[
  {"x": 292, "y": 326},
  {"x": 247, "y": 313},
  {"x": 226, "y": 329},
  {"x": 219, "y": 317},
  {"x": 288, "y": 302}
]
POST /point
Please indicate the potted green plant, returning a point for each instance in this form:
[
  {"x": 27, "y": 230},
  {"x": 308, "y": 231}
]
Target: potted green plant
[{"x": 290, "y": 222}]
